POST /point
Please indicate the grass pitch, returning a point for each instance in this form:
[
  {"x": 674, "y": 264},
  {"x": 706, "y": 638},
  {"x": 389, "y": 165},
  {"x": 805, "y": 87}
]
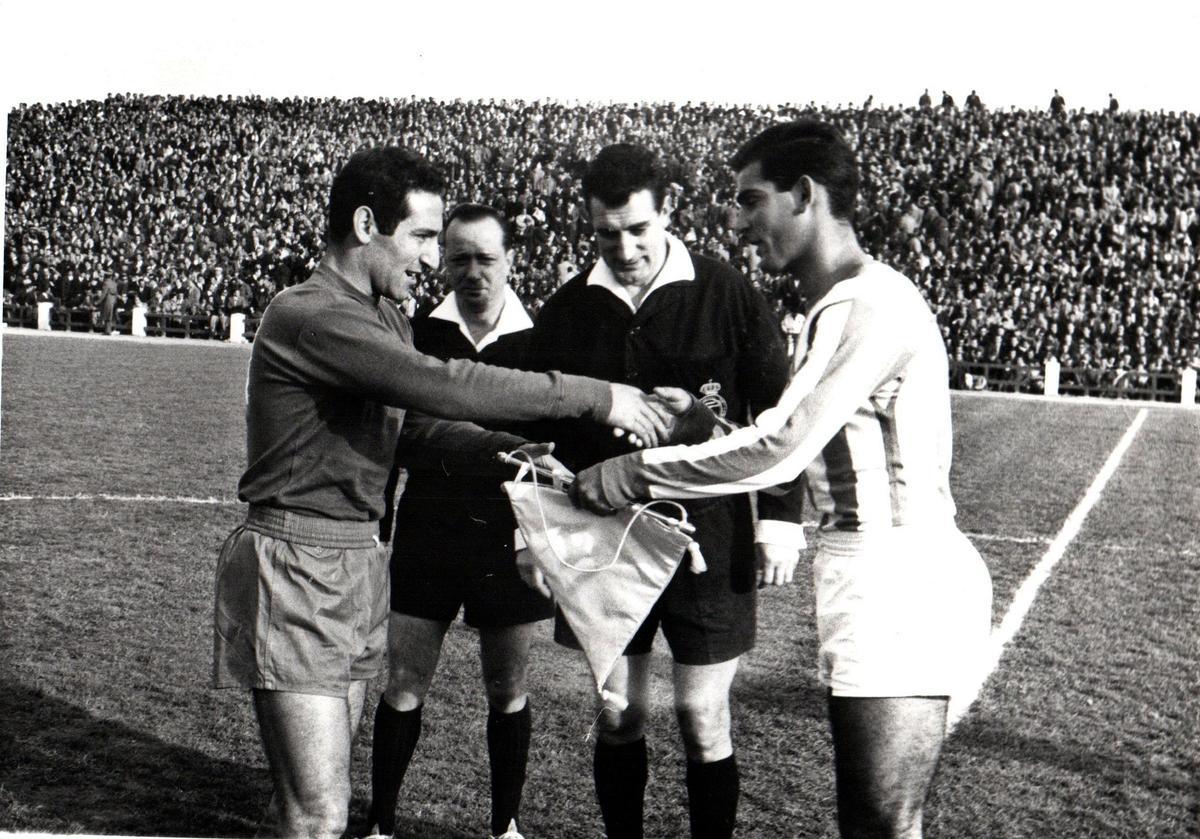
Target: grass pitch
[{"x": 118, "y": 464}]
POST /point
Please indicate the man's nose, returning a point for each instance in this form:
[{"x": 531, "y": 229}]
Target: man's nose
[
  {"x": 739, "y": 221},
  {"x": 430, "y": 256},
  {"x": 626, "y": 246}
]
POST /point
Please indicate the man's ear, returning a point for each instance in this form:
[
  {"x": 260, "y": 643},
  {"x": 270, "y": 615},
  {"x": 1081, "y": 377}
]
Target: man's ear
[
  {"x": 668, "y": 206},
  {"x": 802, "y": 194},
  {"x": 363, "y": 224}
]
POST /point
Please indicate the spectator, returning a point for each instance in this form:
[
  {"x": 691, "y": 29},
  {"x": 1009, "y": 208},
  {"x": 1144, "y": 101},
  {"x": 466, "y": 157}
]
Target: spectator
[
  {"x": 1015, "y": 209},
  {"x": 1058, "y": 105}
]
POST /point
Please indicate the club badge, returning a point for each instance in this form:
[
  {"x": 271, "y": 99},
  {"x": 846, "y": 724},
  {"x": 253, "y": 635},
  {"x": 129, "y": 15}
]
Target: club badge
[{"x": 712, "y": 398}]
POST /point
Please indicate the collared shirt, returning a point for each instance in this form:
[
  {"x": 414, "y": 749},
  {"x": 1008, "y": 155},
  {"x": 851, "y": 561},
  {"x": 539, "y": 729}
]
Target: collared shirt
[
  {"x": 463, "y": 496},
  {"x": 513, "y": 318},
  {"x": 677, "y": 268},
  {"x": 701, "y": 327}
]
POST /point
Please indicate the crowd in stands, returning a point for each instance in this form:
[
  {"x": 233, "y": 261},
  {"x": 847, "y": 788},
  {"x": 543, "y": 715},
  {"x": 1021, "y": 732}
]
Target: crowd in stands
[{"x": 1035, "y": 234}]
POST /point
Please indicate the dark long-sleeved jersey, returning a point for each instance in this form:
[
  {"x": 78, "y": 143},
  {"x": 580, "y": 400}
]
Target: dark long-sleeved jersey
[
  {"x": 701, "y": 327},
  {"x": 331, "y": 374}
]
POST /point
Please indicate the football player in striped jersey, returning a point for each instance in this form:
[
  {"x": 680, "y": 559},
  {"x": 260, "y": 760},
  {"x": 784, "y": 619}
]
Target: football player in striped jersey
[{"x": 903, "y": 600}]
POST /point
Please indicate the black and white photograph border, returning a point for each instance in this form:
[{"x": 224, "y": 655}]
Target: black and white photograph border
[{"x": 120, "y": 453}]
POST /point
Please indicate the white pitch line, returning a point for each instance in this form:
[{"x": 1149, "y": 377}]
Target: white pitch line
[
  {"x": 1023, "y": 599},
  {"x": 232, "y": 502},
  {"x": 130, "y": 499},
  {"x": 999, "y": 537}
]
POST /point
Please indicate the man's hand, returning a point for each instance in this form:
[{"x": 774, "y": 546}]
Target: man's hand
[
  {"x": 634, "y": 413},
  {"x": 540, "y": 452},
  {"x": 531, "y": 575},
  {"x": 587, "y": 492},
  {"x": 675, "y": 401},
  {"x": 775, "y": 565}
]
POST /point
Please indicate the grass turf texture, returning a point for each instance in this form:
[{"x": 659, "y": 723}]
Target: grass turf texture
[{"x": 1088, "y": 728}]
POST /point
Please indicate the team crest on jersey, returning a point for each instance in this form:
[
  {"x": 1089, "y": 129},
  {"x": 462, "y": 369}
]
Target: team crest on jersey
[{"x": 712, "y": 398}]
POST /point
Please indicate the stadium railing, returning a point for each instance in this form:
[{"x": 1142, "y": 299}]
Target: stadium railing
[
  {"x": 21, "y": 315},
  {"x": 1055, "y": 380},
  {"x": 158, "y": 324},
  {"x": 1051, "y": 379},
  {"x": 168, "y": 325}
]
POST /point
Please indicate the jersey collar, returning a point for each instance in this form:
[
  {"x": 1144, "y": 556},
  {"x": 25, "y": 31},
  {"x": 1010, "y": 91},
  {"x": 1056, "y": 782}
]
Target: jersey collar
[
  {"x": 513, "y": 318},
  {"x": 330, "y": 276},
  {"x": 677, "y": 268}
]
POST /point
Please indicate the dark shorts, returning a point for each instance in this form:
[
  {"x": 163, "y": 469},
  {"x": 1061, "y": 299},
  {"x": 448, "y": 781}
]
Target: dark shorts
[
  {"x": 706, "y": 618},
  {"x": 301, "y": 604},
  {"x": 478, "y": 577}
]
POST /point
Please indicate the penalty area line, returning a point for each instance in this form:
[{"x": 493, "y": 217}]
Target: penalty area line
[{"x": 1024, "y": 597}]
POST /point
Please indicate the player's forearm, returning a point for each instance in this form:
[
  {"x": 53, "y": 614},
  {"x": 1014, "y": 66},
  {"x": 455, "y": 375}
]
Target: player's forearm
[
  {"x": 375, "y": 361},
  {"x": 459, "y": 389},
  {"x": 775, "y": 450},
  {"x": 462, "y": 447}
]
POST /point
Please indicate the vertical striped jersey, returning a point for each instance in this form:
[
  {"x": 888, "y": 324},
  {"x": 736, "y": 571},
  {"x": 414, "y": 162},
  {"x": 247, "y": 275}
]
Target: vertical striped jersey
[{"x": 865, "y": 419}]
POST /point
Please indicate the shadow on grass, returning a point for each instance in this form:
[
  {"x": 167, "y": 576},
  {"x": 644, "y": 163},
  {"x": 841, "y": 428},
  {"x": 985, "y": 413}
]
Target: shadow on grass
[
  {"x": 63, "y": 770},
  {"x": 995, "y": 739},
  {"x": 782, "y": 695}
]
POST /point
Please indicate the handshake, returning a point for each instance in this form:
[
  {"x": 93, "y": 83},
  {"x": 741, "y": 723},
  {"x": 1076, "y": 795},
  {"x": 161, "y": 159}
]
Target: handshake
[{"x": 668, "y": 416}]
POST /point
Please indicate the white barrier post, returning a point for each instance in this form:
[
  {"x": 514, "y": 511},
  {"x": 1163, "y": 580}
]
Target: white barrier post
[
  {"x": 44, "y": 307},
  {"x": 1187, "y": 394},
  {"x": 237, "y": 328},
  {"x": 1053, "y": 368},
  {"x": 137, "y": 322}
]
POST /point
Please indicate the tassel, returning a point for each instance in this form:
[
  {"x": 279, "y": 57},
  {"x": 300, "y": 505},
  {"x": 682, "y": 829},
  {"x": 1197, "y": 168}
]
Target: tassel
[
  {"x": 698, "y": 566},
  {"x": 618, "y": 702}
]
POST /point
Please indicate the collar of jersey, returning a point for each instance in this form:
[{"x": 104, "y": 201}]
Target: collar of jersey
[
  {"x": 851, "y": 287},
  {"x": 513, "y": 318},
  {"x": 336, "y": 279},
  {"x": 677, "y": 268}
]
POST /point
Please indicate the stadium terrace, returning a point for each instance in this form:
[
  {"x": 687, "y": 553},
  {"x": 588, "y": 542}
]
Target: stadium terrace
[{"x": 1036, "y": 235}]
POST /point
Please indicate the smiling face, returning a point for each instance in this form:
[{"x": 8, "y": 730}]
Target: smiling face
[
  {"x": 396, "y": 260},
  {"x": 771, "y": 219},
  {"x": 477, "y": 265},
  {"x": 631, "y": 238}
]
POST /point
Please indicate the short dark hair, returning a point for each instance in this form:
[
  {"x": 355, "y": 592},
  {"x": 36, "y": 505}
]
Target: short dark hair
[
  {"x": 379, "y": 178},
  {"x": 805, "y": 147},
  {"x": 622, "y": 169},
  {"x": 467, "y": 213}
]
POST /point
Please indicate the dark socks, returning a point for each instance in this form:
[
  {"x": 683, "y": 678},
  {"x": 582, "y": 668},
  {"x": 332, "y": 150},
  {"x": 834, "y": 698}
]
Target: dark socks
[
  {"x": 620, "y": 773},
  {"x": 713, "y": 798},
  {"x": 392, "y": 746},
  {"x": 508, "y": 755}
]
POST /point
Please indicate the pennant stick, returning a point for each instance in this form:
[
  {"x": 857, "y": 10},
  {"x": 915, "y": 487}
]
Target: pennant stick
[{"x": 683, "y": 526}]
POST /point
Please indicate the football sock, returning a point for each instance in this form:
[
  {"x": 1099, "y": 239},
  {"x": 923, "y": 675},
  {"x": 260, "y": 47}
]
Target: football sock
[
  {"x": 620, "y": 772},
  {"x": 508, "y": 755},
  {"x": 392, "y": 746},
  {"x": 712, "y": 798}
]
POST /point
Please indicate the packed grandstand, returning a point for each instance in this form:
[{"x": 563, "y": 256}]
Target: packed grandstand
[{"x": 1035, "y": 235}]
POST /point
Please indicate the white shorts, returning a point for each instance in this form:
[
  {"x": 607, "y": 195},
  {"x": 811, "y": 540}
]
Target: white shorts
[{"x": 904, "y": 611}]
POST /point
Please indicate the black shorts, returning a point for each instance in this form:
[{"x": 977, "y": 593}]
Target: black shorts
[
  {"x": 706, "y": 618},
  {"x": 479, "y": 577}
]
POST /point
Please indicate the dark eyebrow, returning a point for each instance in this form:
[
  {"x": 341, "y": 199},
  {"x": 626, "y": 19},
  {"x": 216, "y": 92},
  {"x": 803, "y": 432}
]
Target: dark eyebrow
[
  {"x": 747, "y": 193},
  {"x": 633, "y": 228}
]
